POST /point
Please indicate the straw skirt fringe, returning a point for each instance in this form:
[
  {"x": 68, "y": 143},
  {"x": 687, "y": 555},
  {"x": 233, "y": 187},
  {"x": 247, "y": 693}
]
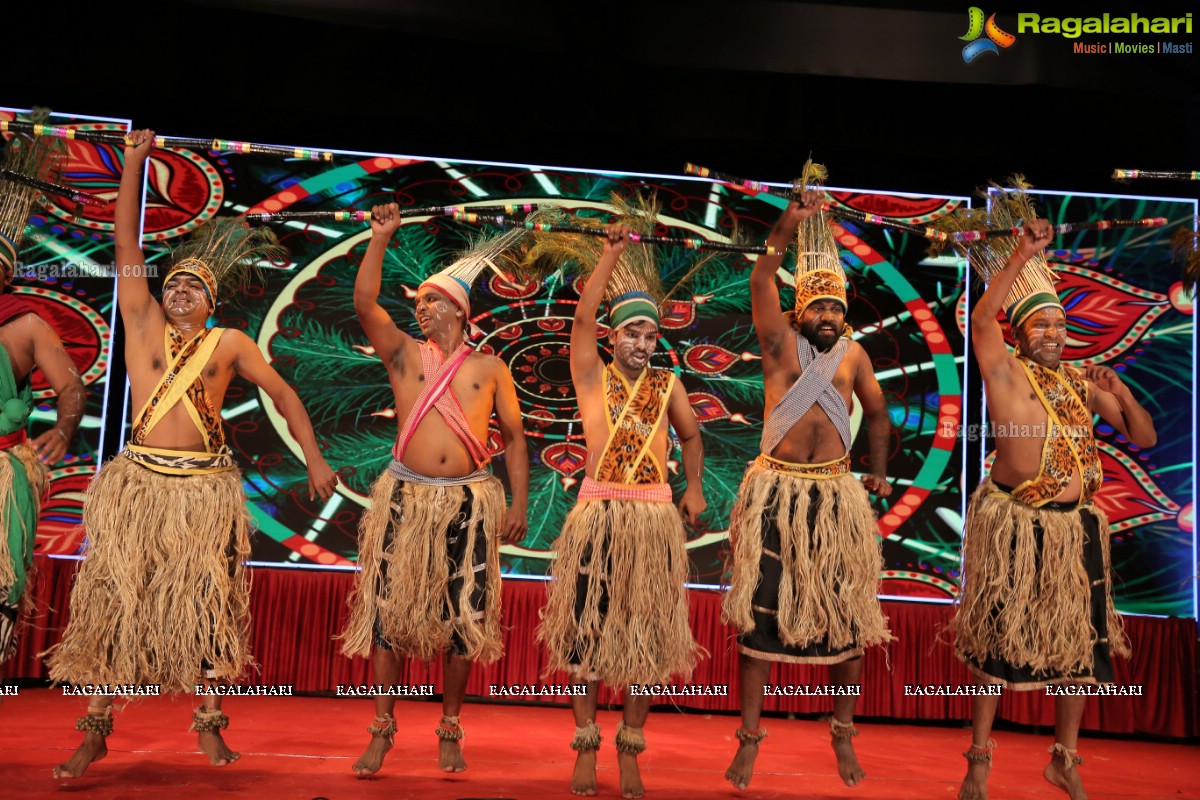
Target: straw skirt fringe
[
  {"x": 163, "y": 588},
  {"x": 830, "y": 558},
  {"x": 1029, "y": 603},
  {"x": 406, "y": 594},
  {"x": 617, "y": 607},
  {"x": 23, "y": 473}
]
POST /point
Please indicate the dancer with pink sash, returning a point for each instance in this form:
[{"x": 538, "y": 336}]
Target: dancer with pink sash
[{"x": 429, "y": 546}]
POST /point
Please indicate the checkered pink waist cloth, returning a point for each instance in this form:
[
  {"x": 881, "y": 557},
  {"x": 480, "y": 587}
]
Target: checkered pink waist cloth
[{"x": 643, "y": 492}]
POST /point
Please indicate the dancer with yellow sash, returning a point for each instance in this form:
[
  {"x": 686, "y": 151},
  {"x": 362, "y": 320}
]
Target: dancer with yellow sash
[
  {"x": 617, "y": 610},
  {"x": 1036, "y": 603},
  {"x": 26, "y": 343},
  {"x": 162, "y": 596},
  {"x": 806, "y": 552},
  {"x": 429, "y": 546}
]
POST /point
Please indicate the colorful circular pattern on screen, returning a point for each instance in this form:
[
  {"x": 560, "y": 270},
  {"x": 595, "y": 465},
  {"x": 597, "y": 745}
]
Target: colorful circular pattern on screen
[{"x": 84, "y": 333}]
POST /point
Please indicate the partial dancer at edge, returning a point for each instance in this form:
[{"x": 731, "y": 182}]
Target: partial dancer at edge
[{"x": 1036, "y": 604}]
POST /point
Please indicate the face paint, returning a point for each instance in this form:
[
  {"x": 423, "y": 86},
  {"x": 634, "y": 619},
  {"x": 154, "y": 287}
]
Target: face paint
[
  {"x": 1042, "y": 337},
  {"x": 822, "y": 323},
  {"x": 633, "y": 344},
  {"x": 183, "y": 295},
  {"x": 436, "y": 312}
]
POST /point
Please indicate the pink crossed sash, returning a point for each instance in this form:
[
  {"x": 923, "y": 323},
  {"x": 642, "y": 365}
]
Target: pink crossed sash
[{"x": 437, "y": 394}]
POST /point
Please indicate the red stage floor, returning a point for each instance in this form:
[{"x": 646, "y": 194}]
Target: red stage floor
[{"x": 303, "y": 747}]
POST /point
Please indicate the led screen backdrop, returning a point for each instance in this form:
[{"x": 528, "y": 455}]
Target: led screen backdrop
[
  {"x": 908, "y": 311},
  {"x": 903, "y": 307}
]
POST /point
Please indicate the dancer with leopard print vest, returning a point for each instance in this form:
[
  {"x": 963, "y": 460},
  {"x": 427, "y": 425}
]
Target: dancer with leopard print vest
[
  {"x": 618, "y": 610},
  {"x": 1036, "y": 603}
]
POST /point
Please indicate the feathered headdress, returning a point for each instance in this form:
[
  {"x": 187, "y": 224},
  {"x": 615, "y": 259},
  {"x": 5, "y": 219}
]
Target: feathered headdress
[
  {"x": 503, "y": 253},
  {"x": 1034, "y": 288},
  {"x": 635, "y": 290},
  {"x": 819, "y": 273},
  {"x": 30, "y": 157},
  {"x": 222, "y": 253}
]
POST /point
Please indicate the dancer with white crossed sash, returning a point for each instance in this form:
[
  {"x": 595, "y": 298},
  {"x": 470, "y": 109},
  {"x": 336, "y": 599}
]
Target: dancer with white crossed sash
[
  {"x": 806, "y": 557},
  {"x": 429, "y": 546}
]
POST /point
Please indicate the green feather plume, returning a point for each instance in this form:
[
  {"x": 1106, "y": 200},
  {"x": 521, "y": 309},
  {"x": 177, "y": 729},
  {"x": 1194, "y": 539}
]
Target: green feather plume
[{"x": 232, "y": 249}]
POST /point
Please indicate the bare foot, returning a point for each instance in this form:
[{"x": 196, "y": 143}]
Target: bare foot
[
  {"x": 583, "y": 779},
  {"x": 213, "y": 746},
  {"x": 450, "y": 757},
  {"x": 1066, "y": 779},
  {"x": 371, "y": 760},
  {"x": 974, "y": 785},
  {"x": 91, "y": 750},
  {"x": 849, "y": 770},
  {"x": 742, "y": 768},
  {"x": 631, "y": 777}
]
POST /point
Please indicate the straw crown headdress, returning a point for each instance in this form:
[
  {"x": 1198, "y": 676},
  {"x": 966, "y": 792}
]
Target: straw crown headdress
[
  {"x": 1034, "y": 288},
  {"x": 819, "y": 273},
  {"x": 222, "y": 253},
  {"x": 31, "y": 157}
]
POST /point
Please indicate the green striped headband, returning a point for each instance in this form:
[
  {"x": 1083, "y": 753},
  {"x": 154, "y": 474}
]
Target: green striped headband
[
  {"x": 632, "y": 307},
  {"x": 1021, "y": 310}
]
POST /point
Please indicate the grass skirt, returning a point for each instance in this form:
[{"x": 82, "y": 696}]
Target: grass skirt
[
  {"x": 163, "y": 590},
  {"x": 416, "y": 592},
  {"x": 1036, "y": 604},
  {"x": 813, "y": 601},
  {"x": 617, "y": 606},
  {"x": 18, "y": 532}
]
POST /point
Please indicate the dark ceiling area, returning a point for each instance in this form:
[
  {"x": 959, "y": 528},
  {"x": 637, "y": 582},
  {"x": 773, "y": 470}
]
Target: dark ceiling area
[{"x": 877, "y": 91}]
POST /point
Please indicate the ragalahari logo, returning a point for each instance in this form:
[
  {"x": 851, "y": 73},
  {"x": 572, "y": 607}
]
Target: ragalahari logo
[{"x": 996, "y": 38}]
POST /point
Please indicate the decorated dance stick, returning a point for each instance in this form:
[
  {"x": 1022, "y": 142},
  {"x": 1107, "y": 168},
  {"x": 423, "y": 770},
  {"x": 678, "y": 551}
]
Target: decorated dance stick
[
  {"x": 72, "y": 194},
  {"x": 1066, "y": 227},
  {"x": 354, "y": 215},
  {"x": 546, "y": 227},
  {"x": 837, "y": 211},
  {"x": 1134, "y": 174},
  {"x": 930, "y": 233},
  {"x": 120, "y": 139}
]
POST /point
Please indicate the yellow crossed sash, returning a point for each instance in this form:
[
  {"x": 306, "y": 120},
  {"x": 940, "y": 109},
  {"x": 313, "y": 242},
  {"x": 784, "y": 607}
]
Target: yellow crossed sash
[
  {"x": 627, "y": 457},
  {"x": 181, "y": 372}
]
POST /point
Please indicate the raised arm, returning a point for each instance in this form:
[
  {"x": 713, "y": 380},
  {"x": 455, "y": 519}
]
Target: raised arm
[
  {"x": 879, "y": 427},
  {"x": 770, "y": 324},
  {"x": 987, "y": 339},
  {"x": 516, "y": 456},
  {"x": 133, "y": 291},
  {"x": 585, "y": 359},
  {"x": 382, "y": 332},
  {"x": 683, "y": 420},
  {"x": 250, "y": 364},
  {"x": 1109, "y": 397},
  {"x": 50, "y": 357}
]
